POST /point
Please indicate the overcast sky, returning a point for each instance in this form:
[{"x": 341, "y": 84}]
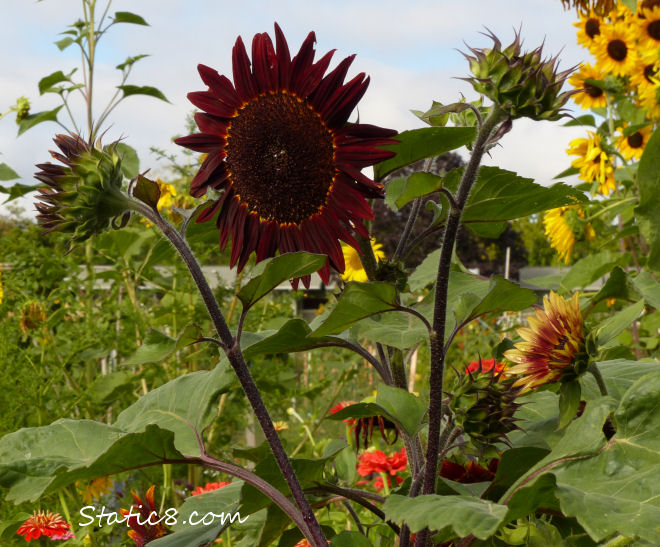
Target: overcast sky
[{"x": 408, "y": 48}]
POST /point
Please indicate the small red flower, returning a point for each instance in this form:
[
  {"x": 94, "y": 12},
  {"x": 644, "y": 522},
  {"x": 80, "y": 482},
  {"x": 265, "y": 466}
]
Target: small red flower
[
  {"x": 47, "y": 524},
  {"x": 208, "y": 487},
  {"x": 373, "y": 462},
  {"x": 341, "y": 405},
  {"x": 398, "y": 461},
  {"x": 486, "y": 366}
]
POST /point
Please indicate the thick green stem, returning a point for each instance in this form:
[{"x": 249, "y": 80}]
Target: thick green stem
[
  {"x": 599, "y": 379},
  {"x": 437, "y": 334}
]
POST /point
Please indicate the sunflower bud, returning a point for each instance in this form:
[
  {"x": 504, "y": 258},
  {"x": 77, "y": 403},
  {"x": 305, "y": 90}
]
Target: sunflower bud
[
  {"x": 84, "y": 195},
  {"x": 483, "y": 403},
  {"x": 523, "y": 84},
  {"x": 22, "y": 108}
]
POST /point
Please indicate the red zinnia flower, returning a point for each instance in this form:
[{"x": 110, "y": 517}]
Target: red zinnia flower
[
  {"x": 208, "y": 487},
  {"x": 279, "y": 148},
  {"x": 372, "y": 462},
  {"x": 45, "y": 524},
  {"x": 341, "y": 405},
  {"x": 398, "y": 461}
]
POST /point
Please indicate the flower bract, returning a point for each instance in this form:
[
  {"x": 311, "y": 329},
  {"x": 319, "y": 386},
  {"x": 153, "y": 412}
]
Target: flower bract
[{"x": 280, "y": 150}]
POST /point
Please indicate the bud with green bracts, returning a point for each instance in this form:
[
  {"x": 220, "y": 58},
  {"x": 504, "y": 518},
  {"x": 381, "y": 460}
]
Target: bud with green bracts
[
  {"x": 522, "y": 84},
  {"x": 84, "y": 195},
  {"x": 483, "y": 403}
]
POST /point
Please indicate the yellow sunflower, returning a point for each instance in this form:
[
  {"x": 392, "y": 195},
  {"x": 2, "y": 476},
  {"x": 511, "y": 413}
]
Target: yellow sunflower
[
  {"x": 590, "y": 96},
  {"x": 562, "y": 238},
  {"x": 354, "y": 270},
  {"x": 602, "y": 7},
  {"x": 553, "y": 345},
  {"x": 642, "y": 75},
  {"x": 647, "y": 29},
  {"x": 94, "y": 489},
  {"x": 594, "y": 164},
  {"x": 588, "y": 29},
  {"x": 614, "y": 49},
  {"x": 632, "y": 146}
]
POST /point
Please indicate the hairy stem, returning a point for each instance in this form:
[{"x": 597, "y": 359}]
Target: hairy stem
[
  {"x": 237, "y": 361},
  {"x": 599, "y": 379}
]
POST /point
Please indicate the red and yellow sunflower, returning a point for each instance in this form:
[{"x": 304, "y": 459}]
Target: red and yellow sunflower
[{"x": 282, "y": 153}]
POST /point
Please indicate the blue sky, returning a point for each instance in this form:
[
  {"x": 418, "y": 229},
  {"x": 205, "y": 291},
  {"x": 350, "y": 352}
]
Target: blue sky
[{"x": 408, "y": 49}]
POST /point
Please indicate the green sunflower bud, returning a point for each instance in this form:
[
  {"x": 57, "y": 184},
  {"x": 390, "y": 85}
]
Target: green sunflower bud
[
  {"x": 483, "y": 403},
  {"x": 22, "y": 108},
  {"x": 84, "y": 195},
  {"x": 523, "y": 84}
]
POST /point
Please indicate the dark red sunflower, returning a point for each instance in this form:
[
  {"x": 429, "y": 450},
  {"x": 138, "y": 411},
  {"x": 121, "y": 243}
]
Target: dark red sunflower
[{"x": 281, "y": 151}]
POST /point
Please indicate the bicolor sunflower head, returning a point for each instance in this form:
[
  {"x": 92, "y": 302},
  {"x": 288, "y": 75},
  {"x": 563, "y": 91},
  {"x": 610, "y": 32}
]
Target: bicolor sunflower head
[
  {"x": 83, "y": 196},
  {"x": 523, "y": 84},
  {"x": 553, "y": 346},
  {"x": 280, "y": 150},
  {"x": 142, "y": 514},
  {"x": 483, "y": 403}
]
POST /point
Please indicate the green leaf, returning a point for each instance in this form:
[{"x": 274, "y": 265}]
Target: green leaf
[
  {"x": 130, "y": 61},
  {"x": 350, "y": 539},
  {"x": 618, "y": 374},
  {"x": 17, "y": 190},
  {"x": 293, "y": 336},
  {"x": 46, "y": 83},
  {"x": 586, "y": 119},
  {"x": 7, "y": 173},
  {"x": 567, "y": 173},
  {"x": 513, "y": 464},
  {"x": 649, "y": 288},
  {"x": 147, "y": 191},
  {"x": 405, "y": 408},
  {"x": 399, "y": 330},
  {"x": 418, "y": 185},
  {"x": 464, "y": 514},
  {"x": 270, "y": 273},
  {"x": 142, "y": 90},
  {"x": 426, "y": 273},
  {"x": 648, "y": 180},
  {"x": 504, "y": 295},
  {"x": 180, "y": 405},
  {"x": 488, "y": 230},
  {"x": 38, "y": 117},
  {"x": 346, "y": 465},
  {"x": 128, "y": 17},
  {"x": 618, "y": 285},
  {"x": 503, "y": 195},
  {"x": 615, "y": 325},
  {"x": 359, "y": 300},
  {"x": 423, "y": 143},
  {"x": 64, "y": 43},
  {"x": 130, "y": 163},
  {"x": 590, "y": 268},
  {"x": 107, "y": 388},
  {"x": 37, "y": 460},
  {"x": 569, "y": 402},
  {"x": 157, "y": 347}
]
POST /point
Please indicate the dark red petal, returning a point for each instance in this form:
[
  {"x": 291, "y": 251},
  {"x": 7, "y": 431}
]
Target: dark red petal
[
  {"x": 283, "y": 58},
  {"x": 307, "y": 81},
  {"x": 221, "y": 86},
  {"x": 330, "y": 83},
  {"x": 306, "y": 280},
  {"x": 342, "y": 233},
  {"x": 210, "y": 124},
  {"x": 238, "y": 234},
  {"x": 244, "y": 82},
  {"x": 201, "y": 142},
  {"x": 344, "y": 101},
  {"x": 225, "y": 221},
  {"x": 366, "y": 130},
  {"x": 360, "y": 177},
  {"x": 205, "y": 100},
  {"x": 361, "y": 156},
  {"x": 266, "y": 247},
  {"x": 210, "y": 175},
  {"x": 333, "y": 247},
  {"x": 251, "y": 239},
  {"x": 264, "y": 63},
  {"x": 352, "y": 200}
]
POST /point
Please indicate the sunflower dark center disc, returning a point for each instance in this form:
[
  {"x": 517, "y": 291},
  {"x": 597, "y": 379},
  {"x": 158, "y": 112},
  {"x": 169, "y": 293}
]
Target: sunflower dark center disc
[
  {"x": 592, "y": 27},
  {"x": 649, "y": 71},
  {"x": 653, "y": 30},
  {"x": 635, "y": 140},
  {"x": 593, "y": 91},
  {"x": 280, "y": 156},
  {"x": 617, "y": 50}
]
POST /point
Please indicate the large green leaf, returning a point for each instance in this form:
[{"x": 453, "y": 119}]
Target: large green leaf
[
  {"x": 617, "y": 323},
  {"x": 417, "y": 185},
  {"x": 590, "y": 268},
  {"x": 498, "y": 194},
  {"x": 427, "y": 142},
  {"x": 42, "y": 459},
  {"x": 38, "y": 117},
  {"x": 142, "y": 90},
  {"x": 7, "y": 173},
  {"x": 270, "y": 273},
  {"x": 618, "y": 285},
  {"x": 397, "y": 329},
  {"x": 646, "y": 284},
  {"x": 130, "y": 163},
  {"x": 185, "y": 404},
  {"x": 359, "y": 300},
  {"x": 610, "y": 487},
  {"x": 47, "y": 82},
  {"x": 618, "y": 374},
  {"x": 648, "y": 179},
  {"x": 350, "y": 539},
  {"x": 464, "y": 514}
]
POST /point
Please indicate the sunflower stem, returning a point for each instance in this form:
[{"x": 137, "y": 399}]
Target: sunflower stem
[
  {"x": 594, "y": 370},
  {"x": 437, "y": 335},
  {"x": 237, "y": 361},
  {"x": 368, "y": 257}
]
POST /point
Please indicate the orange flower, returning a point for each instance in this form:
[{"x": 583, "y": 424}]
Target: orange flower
[
  {"x": 486, "y": 366},
  {"x": 208, "y": 487},
  {"x": 142, "y": 534},
  {"x": 47, "y": 524}
]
